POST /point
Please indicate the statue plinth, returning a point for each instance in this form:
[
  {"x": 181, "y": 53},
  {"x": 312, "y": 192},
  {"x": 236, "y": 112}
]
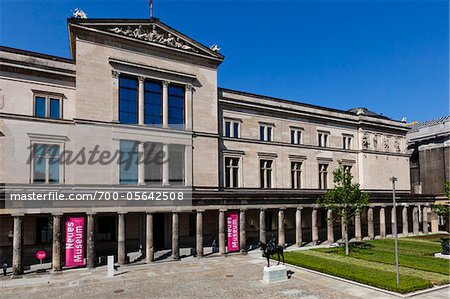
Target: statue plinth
[{"x": 275, "y": 274}]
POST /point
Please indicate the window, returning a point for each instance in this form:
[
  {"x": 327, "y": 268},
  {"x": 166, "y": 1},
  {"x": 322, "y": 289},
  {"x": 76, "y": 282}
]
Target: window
[
  {"x": 265, "y": 132},
  {"x": 153, "y": 103},
  {"x": 296, "y": 175},
  {"x": 323, "y": 176},
  {"x": 231, "y": 172},
  {"x": 176, "y": 164},
  {"x": 265, "y": 167},
  {"x": 176, "y": 106},
  {"x": 323, "y": 139},
  {"x": 296, "y": 136},
  {"x": 46, "y": 166},
  {"x": 347, "y": 142},
  {"x": 47, "y": 106},
  {"x": 128, "y": 100},
  {"x": 232, "y": 128},
  {"x": 154, "y": 159},
  {"x": 128, "y": 162}
]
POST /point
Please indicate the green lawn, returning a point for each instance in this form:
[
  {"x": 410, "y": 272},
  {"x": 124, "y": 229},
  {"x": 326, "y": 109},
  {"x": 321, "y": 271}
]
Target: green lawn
[{"x": 374, "y": 263}]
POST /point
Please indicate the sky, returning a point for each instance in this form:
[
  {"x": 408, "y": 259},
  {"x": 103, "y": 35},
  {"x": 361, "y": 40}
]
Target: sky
[{"x": 391, "y": 57}]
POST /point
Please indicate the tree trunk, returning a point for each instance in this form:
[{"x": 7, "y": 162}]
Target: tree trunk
[{"x": 346, "y": 239}]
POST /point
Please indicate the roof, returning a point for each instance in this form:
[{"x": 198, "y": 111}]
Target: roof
[
  {"x": 35, "y": 54},
  {"x": 429, "y": 123}
]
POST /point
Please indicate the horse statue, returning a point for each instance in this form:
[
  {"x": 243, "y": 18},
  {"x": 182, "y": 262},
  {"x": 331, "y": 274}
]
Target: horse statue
[{"x": 270, "y": 249}]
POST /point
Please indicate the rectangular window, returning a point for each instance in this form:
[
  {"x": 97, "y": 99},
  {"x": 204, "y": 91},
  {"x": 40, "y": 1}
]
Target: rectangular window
[
  {"x": 296, "y": 136},
  {"x": 176, "y": 164},
  {"x": 323, "y": 176},
  {"x": 231, "y": 172},
  {"x": 46, "y": 164},
  {"x": 46, "y": 106},
  {"x": 236, "y": 130},
  {"x": 128, "y": 162},
  {"x": 347, "y": 142},
  {"x": 153, "y": 103},
  {"x": 232, "y": 128},
  {"x": 128, "y": 100},
  {"x": 176, "y": 106},
  {"x": 227, "y": 129},
  {"x": 296, "y": 175},
  {"x": 154, "y": 159},
  {"x": 322, "y": 139},
  {"x": 266, "y": 132},
  {"x": 265, "y": 167}
]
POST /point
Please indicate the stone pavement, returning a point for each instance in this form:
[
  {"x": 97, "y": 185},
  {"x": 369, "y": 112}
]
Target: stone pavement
[{"x": 235, "y": 276}]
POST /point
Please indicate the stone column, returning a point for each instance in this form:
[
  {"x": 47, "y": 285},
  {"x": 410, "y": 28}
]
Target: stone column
[
  {"x": 149, "y": 247},
  {"x": 56, "y": 248},
  {"x": 17, "y": 266},
  {"x": 434, "y": 222},
  {"x": 90, "y": 242},
  {"x": 298, "y": 227},
  {"x": 141, "y": 165},
  {"x": 358, "y": 226},
  {"x": 199, "y": 232},
  {"x": 330, "y": 230},
  {"x": 222, "y": 232},
  {"x": 165, "y": 107},
  {"x": 141, "y": 100},
  {"x": 121, "y": 251},
  {"x": 405, "y": 220},
  {"x": 115, "y": 95},
  {"x": 425, "y": 220},
  {"x": 281, "y": 232},
  {"x": 188, "y": 107},
  {"x": 370, "y": 226},
  {"x": 242, "y": 234},
  {"x": 262, "y": 225},
  {"x": 314, "y": 227},
  {"x": 175, "y": 233},
  {"x": 415, "y": 219},
  {"x": 382, "y": 222},
  {"x": 165, "y": 174}
]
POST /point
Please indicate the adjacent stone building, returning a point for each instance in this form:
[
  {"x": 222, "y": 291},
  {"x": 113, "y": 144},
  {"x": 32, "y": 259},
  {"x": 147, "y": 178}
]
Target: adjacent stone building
[{"x": 136, "y": 85}]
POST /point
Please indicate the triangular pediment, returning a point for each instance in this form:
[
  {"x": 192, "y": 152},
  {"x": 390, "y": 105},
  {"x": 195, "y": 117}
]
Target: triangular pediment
[{"x": 150, "y": 31}]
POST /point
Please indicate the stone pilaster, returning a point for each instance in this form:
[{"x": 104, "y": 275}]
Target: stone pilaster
[
  {"x": 425, "y": 220},
  {"x": 90, "y": 242},
  {"x": 415, "y": 219},
  {"x": 242, "y": 232},
  {"x": 149, "y": 246},
  {"x": 165, "y": 108},
  {"x": 17, "y": 266},
  {"x": 330, "y": 228},
  {"x": 115, "y": 95},
  {"x": 314, "y": 226},
  {"x": 382, "y": 222},
  {"x": 56, "y": 247},
  {"x": 141, "y": 100},
  {"x": 121, "y": 252},
  {"x": 358, "y": 227},
  {"x": 405, "y": 220},
  {"x": 298, "y": 227},
  {"x": 281, "y": 231},
  {"x": 165, "y": 174},
  {"x": 199, "y": 233},
  {"x": 262, "y": 225},
  {"x": 370, "y": 226},
  {"x": 141, "y": 164},
  {"x": 222, "y": 232},
  {"x": 188, "y": 107},
  {"x": 175, "y": 235}
]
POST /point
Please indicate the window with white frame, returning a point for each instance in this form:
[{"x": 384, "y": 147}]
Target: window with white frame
[
  {"x": 46, "y": 168},
  {"x": 47, "y": 106},
  {"x": 231, "y": 128},
  {"x": 296, "y": 135},
  {"x": 323, "y": 176},
  {"x": 266, "y": 172},
  {"x": 232, "y": 172},
  {"x": 266, "y": 132},
  {"x": 322, "y": 139},
  {"x": 296, "y": 174},
  {"x": 347, "y": 141}
]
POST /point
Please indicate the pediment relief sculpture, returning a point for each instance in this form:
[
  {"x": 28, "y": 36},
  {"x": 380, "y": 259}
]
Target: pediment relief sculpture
[
  {"x": 365, "y": 141},
  {"x": 154, "y": 35}
]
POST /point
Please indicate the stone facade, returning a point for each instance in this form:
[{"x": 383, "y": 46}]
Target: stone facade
[{"x": 221, "y": 137}]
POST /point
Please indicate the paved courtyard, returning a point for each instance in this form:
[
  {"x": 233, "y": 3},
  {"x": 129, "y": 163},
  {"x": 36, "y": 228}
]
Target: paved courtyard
[{"x": 235, "y": 276}]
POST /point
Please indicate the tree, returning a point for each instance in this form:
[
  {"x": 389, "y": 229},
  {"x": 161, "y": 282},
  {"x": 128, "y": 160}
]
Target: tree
[
  {"x": 443, "y": 209},
  {"x": 345, "y": 200}
]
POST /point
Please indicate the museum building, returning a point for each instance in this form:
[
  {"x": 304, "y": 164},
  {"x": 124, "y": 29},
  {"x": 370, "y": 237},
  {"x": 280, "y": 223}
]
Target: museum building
[{"x": 254, "y": 165}]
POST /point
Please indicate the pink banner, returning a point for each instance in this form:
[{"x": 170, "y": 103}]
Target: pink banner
[
  {"x": 74, "y": 241},
  {"x": 233, "y": 231}
]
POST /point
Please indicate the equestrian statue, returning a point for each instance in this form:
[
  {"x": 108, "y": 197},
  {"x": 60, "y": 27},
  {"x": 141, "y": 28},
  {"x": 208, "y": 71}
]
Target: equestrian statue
[{"x": 270, "y": 249}]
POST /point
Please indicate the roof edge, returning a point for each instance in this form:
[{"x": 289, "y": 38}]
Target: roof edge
[{"x": 36, "y": 54}]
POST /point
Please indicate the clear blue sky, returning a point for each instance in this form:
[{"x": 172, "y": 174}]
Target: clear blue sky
[{"x": 389, "y": 56}]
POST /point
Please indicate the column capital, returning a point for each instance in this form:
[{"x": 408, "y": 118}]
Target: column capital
[
  {"x": 122, "y": 213},
  {"x": 263, "y": 209},
  {"x": 281, "y": 208},
  {"x": 58, "y": 214},
  {"x": 141, "y": 78},
  {"x": 91, "y": 213},
  {"x": 115, "y": 74},
  {"x": 18, "y": 215},
  {"x": 242, "y": 209},
  {"x": 223, "y": 210},
  {"x": 189, "y": 87},
  {"x": 165, "y": 83},
  {"x": 149, "y": 212},
  {"x": 200, "y": 211},
  {"x": 300, "y": 208}
]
